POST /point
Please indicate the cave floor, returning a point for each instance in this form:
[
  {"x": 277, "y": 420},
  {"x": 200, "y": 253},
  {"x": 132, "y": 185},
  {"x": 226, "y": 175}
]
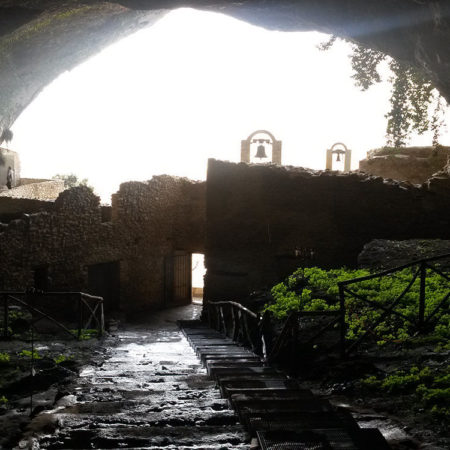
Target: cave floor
[
  {"x": 150, "y": 392},
  {"x": 145, "y": 388}
]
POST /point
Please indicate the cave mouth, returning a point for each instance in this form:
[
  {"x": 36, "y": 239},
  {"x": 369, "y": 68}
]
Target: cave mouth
[
  {"x": 40, "y": 42},
  {"x": 136, "y": 109}
]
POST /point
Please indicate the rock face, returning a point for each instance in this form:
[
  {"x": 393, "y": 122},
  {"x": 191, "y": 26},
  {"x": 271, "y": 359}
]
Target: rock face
[
  {"x": 40, "y": 40},
  {"x": 263, "y": 221},
  {"x": 386, "y": 254},
  {"x": 413, "y": 164}
]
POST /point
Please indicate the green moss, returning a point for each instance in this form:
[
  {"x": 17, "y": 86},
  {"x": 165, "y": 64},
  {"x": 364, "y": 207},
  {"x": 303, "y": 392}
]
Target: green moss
[
  {"x": 429, "y": 388},
  {"x": 4, "y": 358},
  {"x": 30, "y": 354},
  {"x": 62, "y": 358}
]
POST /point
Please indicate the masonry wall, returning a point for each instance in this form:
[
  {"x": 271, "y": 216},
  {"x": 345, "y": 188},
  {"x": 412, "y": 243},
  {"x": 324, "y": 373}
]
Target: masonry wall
[
  {"x": 258, "y": 215},
  {"x": 38, "y": 190},
  {"x": 149, "y": 221},
  {"x": 155, "y": 219},
  {"x": 413, "y": 164}
]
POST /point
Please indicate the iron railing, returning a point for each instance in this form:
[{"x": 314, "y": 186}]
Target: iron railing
[
  {"x": 256, "y": 331},
  {"x": 62, "y": 309},
  {"x": 418, "y": 324},
  {"x": 237, "y": 322}
]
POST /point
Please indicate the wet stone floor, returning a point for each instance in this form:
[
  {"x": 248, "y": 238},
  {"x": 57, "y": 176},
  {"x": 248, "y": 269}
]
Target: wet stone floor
[{"x": 151, "y": 392}]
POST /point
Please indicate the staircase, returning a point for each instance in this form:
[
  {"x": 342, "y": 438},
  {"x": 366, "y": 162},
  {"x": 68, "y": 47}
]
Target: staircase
[{"x": 273, "y": 408}]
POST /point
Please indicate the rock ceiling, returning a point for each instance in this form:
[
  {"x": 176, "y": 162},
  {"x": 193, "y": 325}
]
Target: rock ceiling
[{"x": 39, "y": 39}]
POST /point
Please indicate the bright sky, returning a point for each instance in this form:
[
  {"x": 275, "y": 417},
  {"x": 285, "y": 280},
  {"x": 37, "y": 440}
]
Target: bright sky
[{"x": 191, "y": 87}]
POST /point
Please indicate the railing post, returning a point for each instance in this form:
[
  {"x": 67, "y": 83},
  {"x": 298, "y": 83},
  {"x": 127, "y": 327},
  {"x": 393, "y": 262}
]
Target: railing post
[
  {"x": 80, "y": 315},
  {"x": 208, "y": 314},
  {"x": 5, "y": 316},
  {"x": 101, "y": 321},
  {"x": 295, "y": 317},
  {"x": 342, "y": 321},
  {"x": 423, "y": 276},
  {"x": 218, "y": 323},
  {"x": 235, "y": 328}
]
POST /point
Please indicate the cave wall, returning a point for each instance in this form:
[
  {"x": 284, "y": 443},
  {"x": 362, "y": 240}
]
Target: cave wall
[
  {"x": 150, "y": 221},
  {"x": 258, "y": 215},
  {"x": 40, "y": 40}
]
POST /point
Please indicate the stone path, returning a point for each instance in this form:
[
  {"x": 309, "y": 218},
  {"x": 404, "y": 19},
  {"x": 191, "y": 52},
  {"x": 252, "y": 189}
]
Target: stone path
[
  {"x": 151, "y": 392},
  {"x": 276, "y": 411}
]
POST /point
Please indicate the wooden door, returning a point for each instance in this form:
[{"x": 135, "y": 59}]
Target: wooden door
[
  {"x": 178, "y": 279},
  {"x": 104, "y": 281}
]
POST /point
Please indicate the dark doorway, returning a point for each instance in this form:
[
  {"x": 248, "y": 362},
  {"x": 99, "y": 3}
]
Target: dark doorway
[
  {"x": 41, "y": 279},
  {"x": 178, "y": 279},
  {"x": 104, "y": 281}
]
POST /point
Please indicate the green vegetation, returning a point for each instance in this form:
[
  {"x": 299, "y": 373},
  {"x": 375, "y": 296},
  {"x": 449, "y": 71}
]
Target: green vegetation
[
  {"x": 315, "y": 289},
  {"x": 429, "y": 387},
  {"x": 62, "y": 358},
  {"x": 415, "y": 104},
  {"x": 71, "y": 180},
  {"x": 86, "y": 334},
  {"x": 30, "y": 354},
  {"x": 4, "y": 358},
  {"x": 3, "y": 400}
]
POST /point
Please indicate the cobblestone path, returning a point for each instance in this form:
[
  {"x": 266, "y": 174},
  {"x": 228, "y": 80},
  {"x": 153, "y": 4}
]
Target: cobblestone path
[{"x": 151, "y": 392}]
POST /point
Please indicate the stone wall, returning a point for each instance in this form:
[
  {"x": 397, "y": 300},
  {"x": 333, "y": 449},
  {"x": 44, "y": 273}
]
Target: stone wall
[
  {"x": 413, "y": 164},
  {"x": 14, "y": 208},
  {"x": 149, "y": 222},
  {"x": 155, "y": 219},
  {"x": 382, "y": 254},
  {"x": 39, "y": 190},
  {"x": 257, "y": 216}
]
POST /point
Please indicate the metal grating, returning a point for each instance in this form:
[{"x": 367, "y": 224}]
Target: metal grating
[
  {"x": 318, "y": 439},
  {"x": 268, "y": 403}
]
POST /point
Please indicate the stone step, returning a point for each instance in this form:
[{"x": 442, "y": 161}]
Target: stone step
[
  {"x": 191, "y": 437},
  {"x": 218, "y": 372},
  {"x": 211, "y": 365}
]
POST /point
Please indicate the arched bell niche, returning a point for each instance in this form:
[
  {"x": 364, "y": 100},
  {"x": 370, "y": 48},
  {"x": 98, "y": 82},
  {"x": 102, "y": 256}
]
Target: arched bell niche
[{"x": 261, "y": 147}]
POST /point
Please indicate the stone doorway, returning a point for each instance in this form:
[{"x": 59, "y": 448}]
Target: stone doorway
[
  {"x": 104, "y": 281},
  {"x": 178, "y": 279},
  {"x": 198, "y": 273}
]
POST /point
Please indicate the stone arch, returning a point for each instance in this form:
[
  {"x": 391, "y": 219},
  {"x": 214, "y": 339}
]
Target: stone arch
[{"x": 276, "y": 147}]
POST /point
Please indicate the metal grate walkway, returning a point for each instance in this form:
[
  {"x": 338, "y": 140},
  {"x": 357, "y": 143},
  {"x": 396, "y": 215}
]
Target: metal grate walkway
[{"x": 272, "y": 407}]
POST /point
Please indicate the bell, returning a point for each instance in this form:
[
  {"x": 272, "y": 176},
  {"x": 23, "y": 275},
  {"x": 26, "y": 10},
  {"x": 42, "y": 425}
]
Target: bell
[
  {"x": 261, "y": 152},
  {"x": 338, "y": 154}
]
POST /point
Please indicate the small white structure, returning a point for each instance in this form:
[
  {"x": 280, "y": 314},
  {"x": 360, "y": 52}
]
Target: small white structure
[
  {"x": 266, "y": 141},
  {"x": 335, "y": 150},
  {"x": 9, "y": 169}
]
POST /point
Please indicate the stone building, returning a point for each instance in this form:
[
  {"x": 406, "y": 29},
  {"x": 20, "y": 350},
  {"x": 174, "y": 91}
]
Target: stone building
[
  {"x": 129, "y": 253},
  {"x": 254, "y": 223},
  {"x": 263, "y": 222}
]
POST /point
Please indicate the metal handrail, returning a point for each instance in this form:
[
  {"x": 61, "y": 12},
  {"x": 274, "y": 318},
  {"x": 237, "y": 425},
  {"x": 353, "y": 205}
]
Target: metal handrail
[
  {"x": 421, "y": 273},
  {"x": 394, "y": 269},
  {"x": 95, "y": 311},
  {"x": 237, "y": 305},
  {"x": 239, "y": 329},
  {"x": 257, "y": 337}
]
